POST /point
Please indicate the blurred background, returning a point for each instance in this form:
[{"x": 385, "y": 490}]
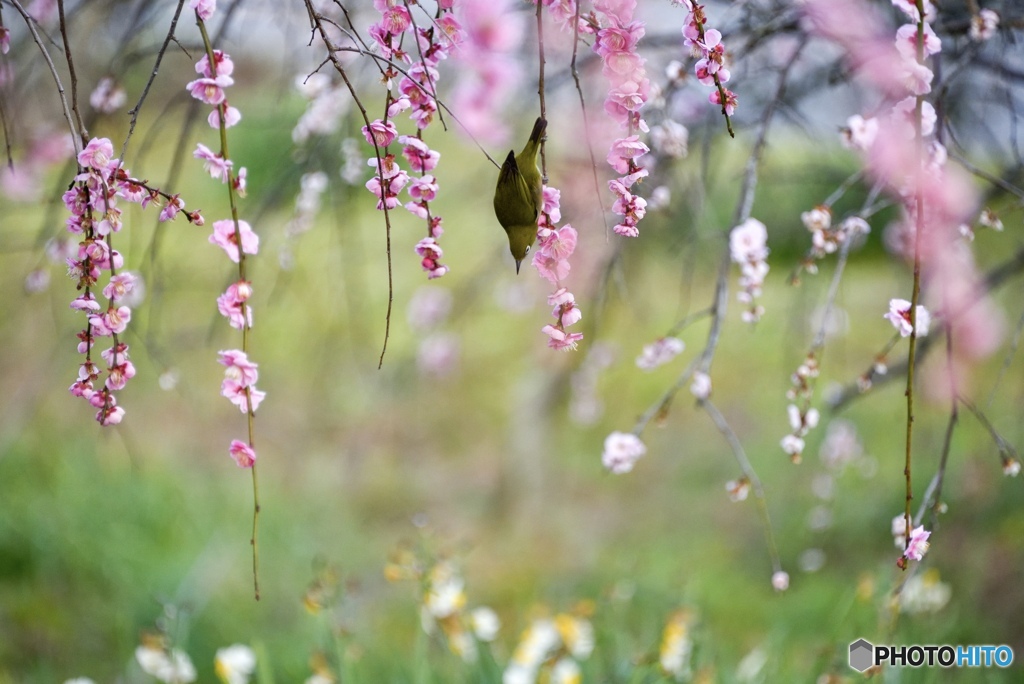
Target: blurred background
[{"x": 474, "y": 444}]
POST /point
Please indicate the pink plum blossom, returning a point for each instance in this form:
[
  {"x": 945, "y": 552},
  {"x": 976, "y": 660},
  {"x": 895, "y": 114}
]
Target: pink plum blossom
[
  {"x": 380, "y": 133},
  {"x": 203, "y": 8},
  {"x": 918, "y": 544},
  {"x": 899, "y": 316},
  {"x": 225, "y": 236},
  {"x": 232, "y": 305},
  {"x": 559, "y": 339},
  {"x": 238, "y": 367},
  {"x": 120, "y": 285},
  {"x": 210, "y": 90},
  {"x": 236, "y": 393},
  {"x": 97, "y": 154},
  {"x": 242, "y": 454},
  {"x": 659, "y": 352},
  {"x": 223, "y": 66},
  {"x": 621, "y": 452},
  {"x": 213, "y": 163},
  {"x": 174, "y": 205}
]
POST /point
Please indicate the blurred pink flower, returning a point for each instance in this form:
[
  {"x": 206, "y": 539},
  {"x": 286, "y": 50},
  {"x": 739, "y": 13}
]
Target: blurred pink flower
[
  {"x": 242, "y": 454},
  {"x": 621, "y": 452}
]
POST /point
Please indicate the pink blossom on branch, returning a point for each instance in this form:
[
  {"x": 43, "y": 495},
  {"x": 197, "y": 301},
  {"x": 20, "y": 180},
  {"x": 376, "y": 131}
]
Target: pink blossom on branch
[
  {"x": 918, "y": 544},
  {"x": 621, "y": 452},
  {"x": 203, "y": 8},
  {"x": 242, "y": 454},
  {"x": 225, "y": 236},
  {"x": 216, "y": 165}
]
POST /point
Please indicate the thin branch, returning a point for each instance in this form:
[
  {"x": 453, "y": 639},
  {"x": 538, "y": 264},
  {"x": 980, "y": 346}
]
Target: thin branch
[
  {"x": 332, "y": 50},
  {"x": 76, "y": 136},
  {"x": 71, "y": 69},
  {"x": 134, "y": 111},
  {"x": 586, "y": 122},
  {"x": 750, "y": 474}
]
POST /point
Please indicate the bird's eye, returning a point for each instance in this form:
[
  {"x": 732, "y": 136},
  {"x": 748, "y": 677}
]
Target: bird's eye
[{"x": 527, "y": 249}]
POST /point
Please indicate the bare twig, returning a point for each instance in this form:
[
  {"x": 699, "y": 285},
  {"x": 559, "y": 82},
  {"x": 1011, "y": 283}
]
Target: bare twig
[
  {"x": 76, "y": 135},
  {"x": 332, "y": 51}
]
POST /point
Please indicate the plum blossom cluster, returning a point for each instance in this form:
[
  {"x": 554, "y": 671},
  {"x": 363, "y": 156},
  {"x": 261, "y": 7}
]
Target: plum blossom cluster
[
  {"x": 551, "y": 649},
  {"x": 235, "y": 236},
  {"x": 554, "y": 247},
  {"x": 417, "y": 90},
  {"x": 748, "y": 247},
  {"x": 390, "y": 179},
  {"x": 826, "y": 238},
  {"x": 801, "y": 421},
  {"x": 802, "y": 417},
  {"x": 706, "y": 45},
  {"x": 617, "y": 37},
  {"x": 95, "y": 217}
]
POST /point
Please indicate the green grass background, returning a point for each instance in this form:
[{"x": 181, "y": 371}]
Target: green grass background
[{"x": 104, "y": 533}]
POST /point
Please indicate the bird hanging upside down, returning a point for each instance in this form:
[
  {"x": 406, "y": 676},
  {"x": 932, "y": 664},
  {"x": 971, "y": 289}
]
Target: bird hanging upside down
[{"x": 517, "y": 199}]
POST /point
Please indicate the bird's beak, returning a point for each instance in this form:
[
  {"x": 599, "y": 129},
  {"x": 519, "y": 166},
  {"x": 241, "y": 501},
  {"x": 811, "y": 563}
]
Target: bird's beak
[{"x": 518, "y": 263}]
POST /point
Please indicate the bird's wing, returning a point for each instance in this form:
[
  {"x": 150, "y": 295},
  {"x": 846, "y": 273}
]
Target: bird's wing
[{"x": 525, "y": 212}]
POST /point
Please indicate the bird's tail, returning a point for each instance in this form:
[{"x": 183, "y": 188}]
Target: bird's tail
[{"x": 539, "y": 127}]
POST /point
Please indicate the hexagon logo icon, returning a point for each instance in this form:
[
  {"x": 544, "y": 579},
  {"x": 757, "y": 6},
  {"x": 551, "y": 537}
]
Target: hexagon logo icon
[{"x": 861, "y": 652}]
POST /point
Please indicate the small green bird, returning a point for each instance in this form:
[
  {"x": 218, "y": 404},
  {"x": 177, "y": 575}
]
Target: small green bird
[{"x": 517, "y": 199}]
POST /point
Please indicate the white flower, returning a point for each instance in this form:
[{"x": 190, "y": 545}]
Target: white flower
[
  {"x": 780, "y": 581},
  {"x": 577, "y": 634},
  {"x": 621, "y": 452},
  {"x": 701, "y": 385},
  {"x": 566, "y": 671},
  {"x": 792, "y": 445},
  {"x": 817, "y": 219},
  {"x": 984, "y": 25},
  {"x": 173, "y": 668},
  {"x": 485, "y": 623},
  {"x": 924, "y": 593},
  {"x": 752, "y": 665},
  {"x": 738, "y": 490},
  {"x": 518, "y": 674},
  {"x": 539, "y": 639},
  {"x": 676, "y": 647},
  {"x": 1011, "y": 467},
  {"x": 748, "y": 241},
  {"x": 445, "y": 596},
  {"x": 319, "y": 679},
  {"x": 235, "y": 664}
]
